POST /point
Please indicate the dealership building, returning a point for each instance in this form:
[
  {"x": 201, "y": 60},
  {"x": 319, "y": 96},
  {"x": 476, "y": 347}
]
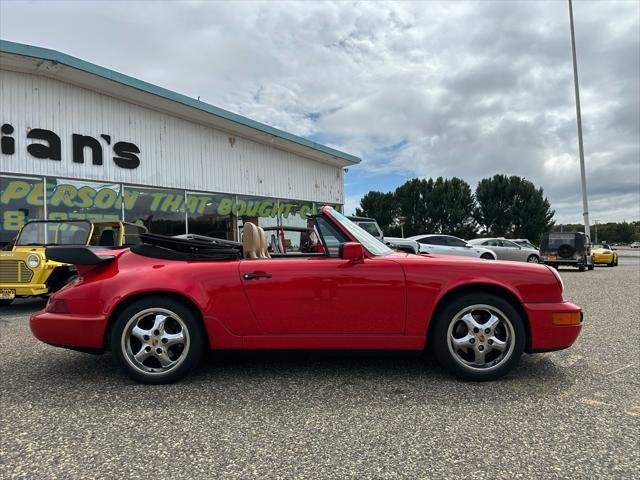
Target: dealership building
[{"x": 81, "y": 141}]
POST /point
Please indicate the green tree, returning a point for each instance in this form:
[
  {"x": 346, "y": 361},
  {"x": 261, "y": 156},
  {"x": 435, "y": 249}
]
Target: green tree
[
  {"x": 451, "y": 206},
  {"x": 512, "y": 206},
  {"x": 382, "y": 207}
]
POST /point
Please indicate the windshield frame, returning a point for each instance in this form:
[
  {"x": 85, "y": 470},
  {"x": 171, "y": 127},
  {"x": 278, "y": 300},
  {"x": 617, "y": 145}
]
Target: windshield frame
[
  {"x": 46, "y": 243},
  {"x": 370, "y": 243}
]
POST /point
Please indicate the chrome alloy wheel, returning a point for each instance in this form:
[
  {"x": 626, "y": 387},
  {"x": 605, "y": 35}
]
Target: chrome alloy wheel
[
  {"x": 481, "y": 338},
  {"x": 155, "y": 341}
]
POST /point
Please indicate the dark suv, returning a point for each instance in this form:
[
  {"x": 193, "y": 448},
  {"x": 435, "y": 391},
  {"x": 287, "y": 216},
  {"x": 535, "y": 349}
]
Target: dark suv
[{"x": 566, "y": 248}]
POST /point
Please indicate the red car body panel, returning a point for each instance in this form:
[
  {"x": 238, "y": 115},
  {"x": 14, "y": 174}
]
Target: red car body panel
[{"x": 383, "y": 302}]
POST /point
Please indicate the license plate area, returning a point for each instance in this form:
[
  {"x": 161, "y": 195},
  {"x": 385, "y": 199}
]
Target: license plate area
[{"x": 7, "y": 294}]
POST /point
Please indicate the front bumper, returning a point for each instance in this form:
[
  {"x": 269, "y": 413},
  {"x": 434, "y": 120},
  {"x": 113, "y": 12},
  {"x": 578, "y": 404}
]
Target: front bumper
[
  {"x": 68, "y": 329},
  {"x": 25, "y": 290},
  {"x": 545, "y": 336}
]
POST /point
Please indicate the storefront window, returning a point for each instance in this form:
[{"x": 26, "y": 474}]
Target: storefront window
[
  {"x": 295, "y": 213},
  {"x": 212, "y": 215},
  {"x": 21, "y": 199},
  {"x": 78, "y": 200},
  {"x": 160, "y": 210},
  {"x": 261, "y": 211}
]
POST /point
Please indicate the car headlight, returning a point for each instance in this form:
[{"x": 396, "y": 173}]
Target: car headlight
[
  {"x": 558, "y": 277},
  {"x": 33, "y": 260}
]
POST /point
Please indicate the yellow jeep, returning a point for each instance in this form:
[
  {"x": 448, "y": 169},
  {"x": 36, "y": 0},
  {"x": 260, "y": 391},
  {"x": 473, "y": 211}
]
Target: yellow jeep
[{"x": 26, "y": 272}]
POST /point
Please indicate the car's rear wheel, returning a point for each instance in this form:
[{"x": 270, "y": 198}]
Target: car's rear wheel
[
  {"x": 533, "y": 259},
  {"x": 612, "y": 263},
  {"x": 478, "y": 337},
  {"x": 487, "y": 256},
  {"x": 157, "y": 340},
  {"x": 5, "y": 302}
]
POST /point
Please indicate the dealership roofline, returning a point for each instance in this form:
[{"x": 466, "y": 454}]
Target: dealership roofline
[{"x": 101, "y": 78}]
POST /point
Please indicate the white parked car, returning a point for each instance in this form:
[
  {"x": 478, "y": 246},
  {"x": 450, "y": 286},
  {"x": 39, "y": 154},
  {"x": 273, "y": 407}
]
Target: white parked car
[
  {"x": 370, "y": 225},
  {"x": 448, "y": 245},
  {"x": 508, "y": 249},
  {"x": 635, "y": 245}
]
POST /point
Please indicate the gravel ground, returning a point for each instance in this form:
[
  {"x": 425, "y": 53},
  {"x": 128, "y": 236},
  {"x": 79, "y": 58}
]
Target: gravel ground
[{"x": 568, "y": 414}]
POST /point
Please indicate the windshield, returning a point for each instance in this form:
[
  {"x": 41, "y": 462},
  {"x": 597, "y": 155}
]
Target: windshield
[
  {"x": 600, "y": 245},
  {"x": 55, "y": 233},
  {"x": 368, "y": 241}
]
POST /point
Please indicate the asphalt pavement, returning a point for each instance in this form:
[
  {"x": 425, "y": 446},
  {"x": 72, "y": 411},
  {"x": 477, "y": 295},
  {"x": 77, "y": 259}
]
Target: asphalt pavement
[{"x": 568, "y": 414}]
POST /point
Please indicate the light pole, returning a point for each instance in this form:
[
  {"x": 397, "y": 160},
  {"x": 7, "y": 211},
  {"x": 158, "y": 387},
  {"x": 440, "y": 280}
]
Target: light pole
[{"x": 583, "y": 176}]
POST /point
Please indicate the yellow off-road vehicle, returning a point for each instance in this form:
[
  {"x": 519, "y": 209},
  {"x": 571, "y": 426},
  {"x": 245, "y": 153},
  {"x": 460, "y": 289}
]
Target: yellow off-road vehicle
[{"x": 24, "y": 269}]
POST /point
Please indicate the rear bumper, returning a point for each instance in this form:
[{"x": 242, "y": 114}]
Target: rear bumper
[
  {"x": 545, "y": 336},
  {"x": 69, "y": 330},
  {"x": 25, "y": 290},
  {"x": 602, "y": 258}
]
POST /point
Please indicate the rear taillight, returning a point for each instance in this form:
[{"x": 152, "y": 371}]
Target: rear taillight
[{"x": 57, "y": 305}]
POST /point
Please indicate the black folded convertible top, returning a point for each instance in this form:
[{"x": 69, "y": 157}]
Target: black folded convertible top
[{"x": 187, "y": 247}]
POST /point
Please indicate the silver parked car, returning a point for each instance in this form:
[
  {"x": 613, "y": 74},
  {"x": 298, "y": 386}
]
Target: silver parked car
[
  {"x": 449, "y": 245},
  {"x": 508, "y": 249}
]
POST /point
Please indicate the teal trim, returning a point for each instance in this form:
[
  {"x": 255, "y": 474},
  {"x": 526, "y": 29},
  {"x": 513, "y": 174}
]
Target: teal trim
[{"x": 73, "y": 62}]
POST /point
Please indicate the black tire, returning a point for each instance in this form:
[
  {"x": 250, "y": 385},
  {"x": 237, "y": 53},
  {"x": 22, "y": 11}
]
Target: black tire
[
  {"x": 5, "y": 302},
  {"x": 487, "y": 256},
  {"x": 582, "y": 266},
  {"x": 441, "y": 337},
  {"x": 616, "y": 264},
  {"x": 144, "y": 314},
  {"x": 533, "y": 258},
  {"x": 612, "y": 263},
  {"x": 565, "y": 250}
]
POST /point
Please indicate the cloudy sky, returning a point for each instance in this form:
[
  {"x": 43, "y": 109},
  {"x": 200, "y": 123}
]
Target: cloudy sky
[{"x": 466, "y": 89}]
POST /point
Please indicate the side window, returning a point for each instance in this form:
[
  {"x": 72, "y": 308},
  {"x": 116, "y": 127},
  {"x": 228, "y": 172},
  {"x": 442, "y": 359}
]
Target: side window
[
  {"x": 508, "y": 244},
  {"x": 331, "y": 236},
  {"x": 432, "y": 241},
  {"x": 454, "y": 242}
]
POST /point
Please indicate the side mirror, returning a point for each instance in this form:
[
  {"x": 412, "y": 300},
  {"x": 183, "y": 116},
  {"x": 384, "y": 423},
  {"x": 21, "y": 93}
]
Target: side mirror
[
  {"x": 468, "y": 245},
  {"x": 352, "y": 251}
]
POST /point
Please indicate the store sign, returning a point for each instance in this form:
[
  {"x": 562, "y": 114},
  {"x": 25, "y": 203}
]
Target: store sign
[
  {"x": 48, "y": 146},
  {"x": 76, "y": 200}
]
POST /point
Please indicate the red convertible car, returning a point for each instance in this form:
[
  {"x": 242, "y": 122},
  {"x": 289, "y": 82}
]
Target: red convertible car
[{"x": 157, "y": 306}]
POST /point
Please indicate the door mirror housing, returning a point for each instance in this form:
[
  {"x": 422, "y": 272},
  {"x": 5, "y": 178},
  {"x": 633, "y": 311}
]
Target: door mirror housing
[
  {"x": 352, "y": 251},
  {"x": 468, "y": 245}
]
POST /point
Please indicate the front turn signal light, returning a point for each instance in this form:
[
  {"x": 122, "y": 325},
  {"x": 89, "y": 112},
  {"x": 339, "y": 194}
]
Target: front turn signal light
[{"x": 565, "y": 318}]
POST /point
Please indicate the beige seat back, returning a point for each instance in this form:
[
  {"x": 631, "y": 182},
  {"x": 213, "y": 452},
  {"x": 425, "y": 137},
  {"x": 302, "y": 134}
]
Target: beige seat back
[
  {"x": 251, "y": 241},
  {"x": 264, "y": 250}
]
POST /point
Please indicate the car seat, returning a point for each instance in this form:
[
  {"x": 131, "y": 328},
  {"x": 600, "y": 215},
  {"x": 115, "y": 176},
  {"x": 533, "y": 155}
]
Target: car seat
[{"x": 107, "y": 238}]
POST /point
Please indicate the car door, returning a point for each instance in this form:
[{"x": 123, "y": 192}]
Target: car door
[
  {"x": 433, "y": 244},
  {"x": 495, "y": 246},
  {"x": 458, "y": 247},
  {"x": 324, "y": 294},
  {"x": 511, "y": 250}
]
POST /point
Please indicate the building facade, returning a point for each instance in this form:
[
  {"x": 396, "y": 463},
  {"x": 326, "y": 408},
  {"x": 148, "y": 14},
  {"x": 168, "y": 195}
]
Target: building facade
[{"x": 81, "y": 141}]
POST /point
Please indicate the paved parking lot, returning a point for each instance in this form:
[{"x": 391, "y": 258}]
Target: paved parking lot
[{"x": 569, "y": 414}]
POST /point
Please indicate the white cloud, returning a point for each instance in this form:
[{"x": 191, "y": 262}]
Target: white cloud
[{"x": 452, "y": 88}]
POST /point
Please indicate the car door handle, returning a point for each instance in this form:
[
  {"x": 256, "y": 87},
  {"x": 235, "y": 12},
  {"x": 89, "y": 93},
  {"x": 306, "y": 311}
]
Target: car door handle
[{"x": 254, "y": 275}]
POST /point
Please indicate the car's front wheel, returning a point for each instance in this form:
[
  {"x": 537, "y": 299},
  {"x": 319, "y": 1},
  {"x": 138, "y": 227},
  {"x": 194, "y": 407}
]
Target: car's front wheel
[
  {"x": 487, "y": 256},
  {"x": 157, "y": 340},
  {"x": 478, "y": 337},
  {"x": 533, "y": 259}
]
